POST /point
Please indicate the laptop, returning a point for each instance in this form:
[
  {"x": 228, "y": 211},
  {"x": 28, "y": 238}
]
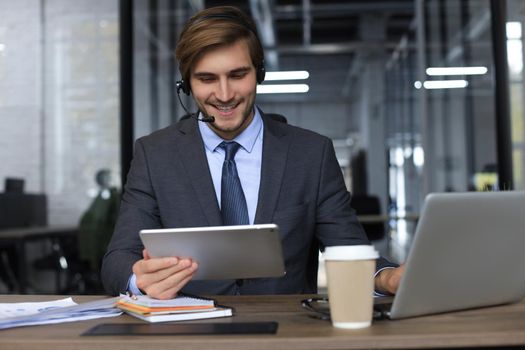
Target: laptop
[
  {"x": 468, "y": 252},
  {"x": 222, "y": 252}
]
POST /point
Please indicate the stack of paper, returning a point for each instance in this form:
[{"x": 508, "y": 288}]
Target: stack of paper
[
  {"x": 181, "y": 308},
  {"x": 57, "y": 311}
]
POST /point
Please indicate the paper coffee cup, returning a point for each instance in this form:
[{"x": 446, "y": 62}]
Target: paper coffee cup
[{"x": 350, "y": 276}]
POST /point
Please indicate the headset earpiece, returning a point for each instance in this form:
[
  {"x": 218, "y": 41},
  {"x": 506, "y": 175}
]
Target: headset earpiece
[
  {"x": 184, "y": 86},
  {"x": 261, "y": 72}
]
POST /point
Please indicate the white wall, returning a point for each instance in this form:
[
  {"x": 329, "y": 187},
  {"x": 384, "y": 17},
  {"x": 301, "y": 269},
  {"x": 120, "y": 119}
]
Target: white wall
[
  {"x": 59, "y": 103},
  {"x": 20, "y": 93}
]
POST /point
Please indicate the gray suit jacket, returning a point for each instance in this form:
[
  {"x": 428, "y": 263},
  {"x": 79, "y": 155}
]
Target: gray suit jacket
[{"x": 302, "y": 190}]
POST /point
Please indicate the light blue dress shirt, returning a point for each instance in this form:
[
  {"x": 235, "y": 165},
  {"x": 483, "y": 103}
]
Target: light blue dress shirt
[{"x": 248, "y": 160}]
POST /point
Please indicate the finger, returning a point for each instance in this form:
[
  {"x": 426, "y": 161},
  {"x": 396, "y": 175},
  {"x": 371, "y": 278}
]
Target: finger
[
  {"x": 395, "y": 279},
  {"x": 172, "y": 270},
  {"x": 172, "y": 292},
  {"x": 168, "y": 287},
  {"x": 145, "y": 254},
  {"x": 145, "y": 280},
  {"x": 154, "y": 264}
]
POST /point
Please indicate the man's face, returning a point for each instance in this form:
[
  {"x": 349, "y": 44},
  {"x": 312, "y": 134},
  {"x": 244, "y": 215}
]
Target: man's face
[{"x": 223, "y": 83}]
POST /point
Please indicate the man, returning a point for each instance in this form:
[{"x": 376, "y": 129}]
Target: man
[{"x": 289, "y": 176}]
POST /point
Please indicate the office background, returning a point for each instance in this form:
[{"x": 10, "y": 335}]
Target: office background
[{"x": 81, "y": 79}]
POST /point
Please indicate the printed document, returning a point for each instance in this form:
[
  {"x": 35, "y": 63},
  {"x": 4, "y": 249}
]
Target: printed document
[{"x": 57, "y": 311}]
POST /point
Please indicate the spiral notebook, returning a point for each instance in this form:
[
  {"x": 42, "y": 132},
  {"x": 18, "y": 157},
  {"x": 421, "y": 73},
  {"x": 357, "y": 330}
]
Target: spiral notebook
[{"x": 181, "y": 308}]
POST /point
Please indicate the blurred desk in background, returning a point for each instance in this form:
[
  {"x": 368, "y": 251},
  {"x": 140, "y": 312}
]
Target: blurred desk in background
[
  {"x": 399, "y": 231},
  {"x": 366, "y": 219},
  {"x": 18, "y": 237}
]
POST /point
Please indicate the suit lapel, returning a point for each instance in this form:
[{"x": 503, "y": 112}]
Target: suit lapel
[
  {"x": 193, "y": 156},
  {"x": 274, "y": 155}
]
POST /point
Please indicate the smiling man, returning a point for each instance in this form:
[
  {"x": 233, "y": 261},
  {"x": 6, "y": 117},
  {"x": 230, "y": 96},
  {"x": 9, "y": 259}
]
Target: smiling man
[
  {"x": 276, "y": 173},
  {"x": 225, "y": 88}
]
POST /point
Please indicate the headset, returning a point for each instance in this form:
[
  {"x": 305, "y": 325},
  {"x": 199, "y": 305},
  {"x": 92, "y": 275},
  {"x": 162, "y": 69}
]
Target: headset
[{"x": 260, "y": 70}]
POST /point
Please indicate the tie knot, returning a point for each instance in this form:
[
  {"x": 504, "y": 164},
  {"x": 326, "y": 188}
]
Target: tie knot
[{"x": 230, "y": 148}]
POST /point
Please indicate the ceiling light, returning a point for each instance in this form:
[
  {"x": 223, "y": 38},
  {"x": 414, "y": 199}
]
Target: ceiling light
[
  {"x": 2, "y": 47},
  {"x": 445, "y": 84},
  {"x": 419, "y": 156},
  {"x": 457, "y": 70},
  {"x": 287, "y": 75},
  {"x": 282, "y": 88},
  {"x": 513, "y": 30}
]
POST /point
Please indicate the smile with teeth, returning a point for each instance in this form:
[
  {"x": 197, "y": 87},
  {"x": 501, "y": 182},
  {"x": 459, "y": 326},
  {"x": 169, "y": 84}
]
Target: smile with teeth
[{"x": 225, "y": 109}]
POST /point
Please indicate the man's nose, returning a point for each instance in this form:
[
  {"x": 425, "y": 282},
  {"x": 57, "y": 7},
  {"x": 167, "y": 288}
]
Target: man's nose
[{"x": 225, "y": 92}]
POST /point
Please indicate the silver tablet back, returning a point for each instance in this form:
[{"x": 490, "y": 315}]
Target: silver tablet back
[{"x": 222, "y": 252}]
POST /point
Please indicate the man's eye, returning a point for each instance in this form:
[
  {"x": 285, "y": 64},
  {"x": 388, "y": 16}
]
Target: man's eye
[
  {"x": 207, "y": 79},
  {"x": 238, "y": 75}
]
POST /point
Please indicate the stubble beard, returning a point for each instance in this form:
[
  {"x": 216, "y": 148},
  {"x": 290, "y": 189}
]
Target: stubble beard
[{"x": 246, "y": 114}]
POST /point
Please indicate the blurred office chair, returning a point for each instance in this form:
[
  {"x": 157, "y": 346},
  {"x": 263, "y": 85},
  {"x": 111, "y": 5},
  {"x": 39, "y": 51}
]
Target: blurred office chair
[
  {"x": 95, "y": 231},
  {"x": 14, "y": 185},
  {"x": 18, "y": 210},
  {"x": 80, "y": 260},
  {"x": 370, "y": 206}
]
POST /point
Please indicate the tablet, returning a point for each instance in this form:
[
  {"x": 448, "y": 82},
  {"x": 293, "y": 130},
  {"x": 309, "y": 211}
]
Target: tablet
[
  {"x": 222, "y": 252},
  {"x": 183, "y": 328}
]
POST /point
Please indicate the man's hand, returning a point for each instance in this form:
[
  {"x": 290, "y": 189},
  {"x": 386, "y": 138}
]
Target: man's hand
[
  {"x": 162, "y": 278},
  {"x": 388, "y": 280}
]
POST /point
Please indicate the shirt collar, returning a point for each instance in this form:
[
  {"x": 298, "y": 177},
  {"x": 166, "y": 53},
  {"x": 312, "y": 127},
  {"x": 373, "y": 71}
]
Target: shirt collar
[{"x": 246, "y": 138}]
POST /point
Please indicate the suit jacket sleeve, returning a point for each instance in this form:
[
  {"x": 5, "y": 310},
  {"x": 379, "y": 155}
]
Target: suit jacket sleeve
[
  {"x": 337, "y": 222},
  {"x": 138, "y": 210}
]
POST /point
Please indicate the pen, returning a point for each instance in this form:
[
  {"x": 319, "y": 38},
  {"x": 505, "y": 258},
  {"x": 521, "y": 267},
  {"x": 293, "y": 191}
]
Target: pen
[{"x": 131, "y": 295}]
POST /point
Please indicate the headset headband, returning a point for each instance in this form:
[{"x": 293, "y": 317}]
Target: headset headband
[{"x": 260, "y": 70}]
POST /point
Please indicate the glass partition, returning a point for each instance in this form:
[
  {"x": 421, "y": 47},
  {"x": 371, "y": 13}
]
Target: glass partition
[
  {"x": 516, "y": 16},
  {"x": 59, "y": 108}
]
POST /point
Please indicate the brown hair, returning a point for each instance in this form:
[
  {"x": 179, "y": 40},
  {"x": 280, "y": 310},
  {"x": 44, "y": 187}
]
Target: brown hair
[{"x": 214, "y": 27}]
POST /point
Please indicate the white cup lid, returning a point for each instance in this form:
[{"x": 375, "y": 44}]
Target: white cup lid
[{"x": 350, "y": 252}]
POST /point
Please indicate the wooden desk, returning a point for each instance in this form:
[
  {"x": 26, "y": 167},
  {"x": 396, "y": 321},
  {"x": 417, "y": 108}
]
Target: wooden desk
[
  {"x": 20, "y": 236},
  {"x": 496, "y": 326}
]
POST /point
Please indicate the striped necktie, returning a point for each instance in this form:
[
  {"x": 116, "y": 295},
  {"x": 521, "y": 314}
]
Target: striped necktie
[{"x": 233, "y": 203}]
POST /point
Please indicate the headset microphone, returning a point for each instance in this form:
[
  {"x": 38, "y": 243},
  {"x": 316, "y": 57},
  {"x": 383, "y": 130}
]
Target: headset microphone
[
  {"x": 181, "y": 85},
  {"x": 209, "y": 119}
]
